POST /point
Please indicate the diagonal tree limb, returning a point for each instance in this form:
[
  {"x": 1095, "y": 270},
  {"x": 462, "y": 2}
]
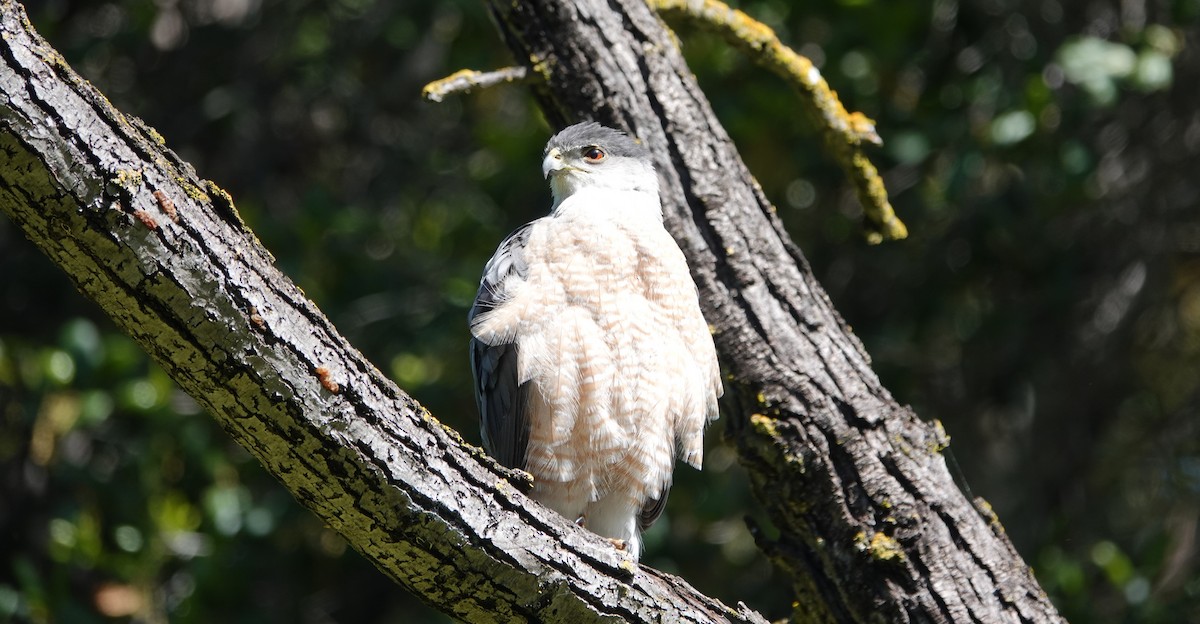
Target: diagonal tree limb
[
  {"x": 761, "y": 44},
  {"x": 844, "y": 132},
  {"x": 164, "y": 254},
  {"x": 870, "y": 522}
]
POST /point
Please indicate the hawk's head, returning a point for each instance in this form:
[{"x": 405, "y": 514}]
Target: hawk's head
[{"x": 589, "y": 155}]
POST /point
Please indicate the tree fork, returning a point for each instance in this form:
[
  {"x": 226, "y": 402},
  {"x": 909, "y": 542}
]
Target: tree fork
[
  {"x": 872, "y": 526},
  {"x": 166, "y": 256}
]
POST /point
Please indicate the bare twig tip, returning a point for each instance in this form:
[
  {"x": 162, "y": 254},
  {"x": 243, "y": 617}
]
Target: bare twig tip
[{"x": 464, "y": 80}]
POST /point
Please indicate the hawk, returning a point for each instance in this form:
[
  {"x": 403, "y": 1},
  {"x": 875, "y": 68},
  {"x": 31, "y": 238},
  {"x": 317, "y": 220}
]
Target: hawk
[{"x": 594, "y": 368}]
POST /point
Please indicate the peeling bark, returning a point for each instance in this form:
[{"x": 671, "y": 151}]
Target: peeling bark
[
  {"x": 872, "y": 526},
  {"x": 166, "y": 256}
]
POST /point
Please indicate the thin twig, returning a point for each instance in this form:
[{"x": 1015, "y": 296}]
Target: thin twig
[
  {"x": 845, "y": 132},
  {"x": 464, "y": 80}
]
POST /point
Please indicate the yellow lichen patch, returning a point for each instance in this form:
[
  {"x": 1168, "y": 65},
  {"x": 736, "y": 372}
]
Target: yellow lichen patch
[
  {"x": 128, "y": 178},
  {"x": 540, "y": 66},
  {"x": 628, "y": 565},
  {"x": 217, "y": 192},
  {"x": 941, "y": 438},
  {"x": 223, "y": 202},
  {"x": 453, "y": 433},
  {"x": 433, "y": 90},
  {"x": 49, "y": 55},
  {"x": 884, "y": 548},
  {"x": 768, "y": 428},
  {"x": 522, "y": 476},
  {"x": 764, "y": 424},
  {"x": 155, "y": 136},
  {"x": 985, "y": 509},
  {"x": 429, "y": 417},
  {"x": 755, "y": 30},
  {"x": 873, "y": 196},
  {"x": 864, "y": 127},
  {"x": 191, "y": 190},
  {"x": 475, "y": 451}
]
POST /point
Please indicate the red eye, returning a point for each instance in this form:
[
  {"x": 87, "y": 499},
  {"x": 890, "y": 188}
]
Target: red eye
[{"x": 593, "y": 154}]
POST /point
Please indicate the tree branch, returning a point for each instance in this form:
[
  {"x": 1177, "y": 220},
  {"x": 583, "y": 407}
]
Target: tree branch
[
  {"x": 466, "y": 80},
  {"x": 871, "y": 524},
  {"x": 844, "y": 132},
  {"x": 165, "y": 255}
]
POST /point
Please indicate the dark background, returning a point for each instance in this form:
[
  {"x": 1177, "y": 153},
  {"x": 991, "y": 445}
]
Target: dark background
[{"x": 1046, "y": 307}]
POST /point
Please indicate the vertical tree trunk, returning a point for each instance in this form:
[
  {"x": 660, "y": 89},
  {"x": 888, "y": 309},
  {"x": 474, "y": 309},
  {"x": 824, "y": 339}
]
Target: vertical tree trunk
[{"x": 872, "y": 527}]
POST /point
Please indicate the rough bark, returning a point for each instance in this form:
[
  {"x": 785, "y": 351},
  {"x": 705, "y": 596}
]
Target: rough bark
[
  {"x": 872, "y": 526},
  {"x": 165, "y": 255}
]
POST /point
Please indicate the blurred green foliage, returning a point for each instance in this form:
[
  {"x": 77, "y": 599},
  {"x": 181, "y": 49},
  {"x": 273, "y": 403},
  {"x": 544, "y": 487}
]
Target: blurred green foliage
[{"x": 1046, "y": 307}]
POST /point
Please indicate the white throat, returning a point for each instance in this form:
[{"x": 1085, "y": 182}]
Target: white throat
[
  {"x": 630, "y": 182},
  {"x": 639, "y": 210}
]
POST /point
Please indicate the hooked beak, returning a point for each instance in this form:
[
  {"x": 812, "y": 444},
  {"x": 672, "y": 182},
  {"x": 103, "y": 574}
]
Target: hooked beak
[{"x": 552, "y": 163}]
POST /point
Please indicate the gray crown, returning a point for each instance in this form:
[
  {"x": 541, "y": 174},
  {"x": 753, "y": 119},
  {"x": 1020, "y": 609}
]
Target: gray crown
[{"x": 586, "y": 133}]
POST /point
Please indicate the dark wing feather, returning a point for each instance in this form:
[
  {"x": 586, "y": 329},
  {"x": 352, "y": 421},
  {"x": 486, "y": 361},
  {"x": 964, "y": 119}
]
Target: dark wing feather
[
  {"x": 653, "y": 508},
  {"x": 503, "y": 404}
]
